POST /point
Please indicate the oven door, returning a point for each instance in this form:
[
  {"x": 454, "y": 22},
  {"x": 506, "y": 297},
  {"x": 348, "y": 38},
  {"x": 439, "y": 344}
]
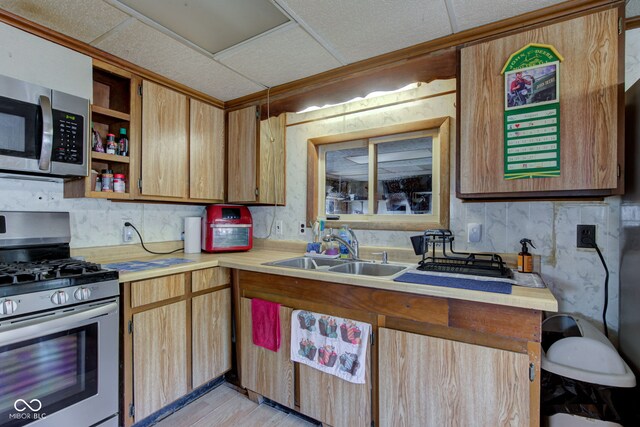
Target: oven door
[
  {"x": 26, "y": 126},
  {"x": 60, "y": 369}
]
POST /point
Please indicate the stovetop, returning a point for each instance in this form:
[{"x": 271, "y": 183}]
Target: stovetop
[{"x": 32, "y": 276}]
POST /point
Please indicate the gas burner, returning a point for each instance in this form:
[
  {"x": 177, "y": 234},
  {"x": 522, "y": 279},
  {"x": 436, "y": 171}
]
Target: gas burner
[{"x": 36, "y": 271}]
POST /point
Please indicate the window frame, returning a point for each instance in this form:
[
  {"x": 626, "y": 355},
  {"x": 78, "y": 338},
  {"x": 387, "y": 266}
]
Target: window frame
[{"x": 438, "y": 127}]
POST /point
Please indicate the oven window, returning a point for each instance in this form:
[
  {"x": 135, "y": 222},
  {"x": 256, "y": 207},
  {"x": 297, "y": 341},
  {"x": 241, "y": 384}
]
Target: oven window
[
  {"x": 19, "y": 125},
  {"x": 58, "y": 370},
  {"x": 230, "y": 237}
]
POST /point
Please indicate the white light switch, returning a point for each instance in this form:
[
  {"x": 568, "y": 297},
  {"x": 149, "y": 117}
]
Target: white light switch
[{"x": 474, "y": 232}]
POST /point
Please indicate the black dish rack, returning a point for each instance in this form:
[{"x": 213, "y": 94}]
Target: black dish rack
[{"x": 479, "y": 264}]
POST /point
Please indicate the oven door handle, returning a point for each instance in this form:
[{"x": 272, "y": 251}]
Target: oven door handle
[
  {"x": 44, "y": 163},
  {"x": 51, "y": 325}
]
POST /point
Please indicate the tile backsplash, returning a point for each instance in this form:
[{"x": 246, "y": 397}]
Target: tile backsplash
[{"x": 96, "y": 222}]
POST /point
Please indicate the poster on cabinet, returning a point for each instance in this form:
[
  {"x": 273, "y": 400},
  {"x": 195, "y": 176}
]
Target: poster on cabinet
[{"x": 532, "y": 113}]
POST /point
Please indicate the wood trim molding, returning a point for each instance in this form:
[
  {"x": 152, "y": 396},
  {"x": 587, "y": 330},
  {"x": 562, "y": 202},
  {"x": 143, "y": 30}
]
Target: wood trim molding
[
  {"x": 86, "y": 49},
  {"x": 401, "y": 58},
  {"x": 313, "y": 185},
  {"x": 632, "y": 23}
]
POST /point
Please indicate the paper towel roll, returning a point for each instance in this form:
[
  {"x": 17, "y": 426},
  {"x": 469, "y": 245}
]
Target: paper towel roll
[{"x": 192, "y": 234}]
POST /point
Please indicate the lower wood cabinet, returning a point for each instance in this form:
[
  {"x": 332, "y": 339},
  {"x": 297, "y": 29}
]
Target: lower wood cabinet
[
  {"x": 433, "y": 361},
  {"x": 321, "y": 396},
  {"x": 177, "y": 337},
  {"x": 159, "y": 357},
  {"x": 437, "y": 381}
]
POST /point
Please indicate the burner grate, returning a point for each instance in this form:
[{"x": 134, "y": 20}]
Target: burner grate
[{"x": 35, "y": 271}]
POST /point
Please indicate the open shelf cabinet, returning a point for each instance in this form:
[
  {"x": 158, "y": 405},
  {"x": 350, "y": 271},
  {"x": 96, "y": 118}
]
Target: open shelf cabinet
[{"x": 114, "y": 101}]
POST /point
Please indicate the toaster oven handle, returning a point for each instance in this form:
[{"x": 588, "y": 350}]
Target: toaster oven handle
[
  {"x": 44, "y": 163},
  {"x": 49, "y": 325}
]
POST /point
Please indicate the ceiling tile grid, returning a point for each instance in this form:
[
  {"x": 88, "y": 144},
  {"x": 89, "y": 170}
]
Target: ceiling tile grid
[
  {"x": 470, "y": 14},
  {"x": 280, "y": 56},
  {"x": 361, "y": 29},
  {"x": 84, "y": 20},
  {"x": 145, "y": 46}
]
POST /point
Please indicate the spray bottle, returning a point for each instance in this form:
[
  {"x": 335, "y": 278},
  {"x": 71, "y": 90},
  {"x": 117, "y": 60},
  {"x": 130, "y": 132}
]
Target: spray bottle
[{"x": 525, "y": 259}]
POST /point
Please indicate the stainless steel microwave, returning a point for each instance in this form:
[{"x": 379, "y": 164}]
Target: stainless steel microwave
[{"x": 42, "y": 131}]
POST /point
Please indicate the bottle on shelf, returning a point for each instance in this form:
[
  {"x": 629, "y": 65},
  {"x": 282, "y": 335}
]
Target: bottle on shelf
[
  {"x": 112, "y": 147},
  {"x": 123, "y": 143}
]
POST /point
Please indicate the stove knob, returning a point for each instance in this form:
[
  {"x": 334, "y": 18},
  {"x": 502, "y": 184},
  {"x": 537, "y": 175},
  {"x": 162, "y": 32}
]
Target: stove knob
[
  {"x": 82, "y": 294},
  {"x": 8, "y": 307},
  {"x": 59, "y": 297}
]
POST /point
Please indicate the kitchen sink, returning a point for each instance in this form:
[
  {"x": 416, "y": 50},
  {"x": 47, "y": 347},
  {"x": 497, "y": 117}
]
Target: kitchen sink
[
  {"x": 306, "y": 263},
  {"x": 340, "y": 266},
  {"x": 368, "y": 269}
]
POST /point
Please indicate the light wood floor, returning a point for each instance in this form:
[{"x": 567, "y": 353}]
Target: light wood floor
[{"x": 227, "y": 407}]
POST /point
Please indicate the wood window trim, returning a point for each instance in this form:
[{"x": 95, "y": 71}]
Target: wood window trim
[{"x": 313, "y": 144}]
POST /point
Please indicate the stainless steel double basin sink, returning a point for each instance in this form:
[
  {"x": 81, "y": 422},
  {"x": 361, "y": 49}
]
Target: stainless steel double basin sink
[{"x": 346, "y": 266}]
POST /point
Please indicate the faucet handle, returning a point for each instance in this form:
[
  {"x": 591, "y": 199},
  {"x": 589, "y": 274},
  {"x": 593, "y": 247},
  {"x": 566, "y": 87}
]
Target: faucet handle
[{"x": 385, "y": 258}]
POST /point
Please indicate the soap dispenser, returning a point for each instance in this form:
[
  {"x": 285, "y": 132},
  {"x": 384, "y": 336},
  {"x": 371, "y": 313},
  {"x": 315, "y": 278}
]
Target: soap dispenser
[{"x": 525, "y": 259}]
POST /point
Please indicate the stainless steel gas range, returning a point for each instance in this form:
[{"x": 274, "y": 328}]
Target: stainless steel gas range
[{"x": 58, "y": 328}]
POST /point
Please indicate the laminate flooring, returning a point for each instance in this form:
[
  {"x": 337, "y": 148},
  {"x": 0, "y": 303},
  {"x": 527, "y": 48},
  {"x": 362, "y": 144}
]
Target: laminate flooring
[{"x": 225, "y": 406}]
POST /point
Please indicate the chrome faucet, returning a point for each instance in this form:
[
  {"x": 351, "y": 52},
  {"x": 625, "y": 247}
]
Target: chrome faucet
[{"x": 353, "y": 247}]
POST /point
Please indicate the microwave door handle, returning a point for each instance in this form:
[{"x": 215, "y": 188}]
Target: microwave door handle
[
  {"x": 49, "y": 325},
  {"x": 44, "y": 163}
]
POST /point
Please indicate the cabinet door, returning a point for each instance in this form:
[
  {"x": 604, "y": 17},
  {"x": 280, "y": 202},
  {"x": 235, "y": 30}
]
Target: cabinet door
[
  {"x": 206, "y": 151},
  {"x": 211, "y": 335},
  {"x": 272, "y": 160},
  {"x": 165, "y": 155},
  {"x": 443, "y": 382},
  {"x": 263, "y": 371},
  {"x": 589, "y": 79},
  {"x": 333, "y": 400},
  {"x": 243, "y": 133},
  {"x": 159, "y": 357}
]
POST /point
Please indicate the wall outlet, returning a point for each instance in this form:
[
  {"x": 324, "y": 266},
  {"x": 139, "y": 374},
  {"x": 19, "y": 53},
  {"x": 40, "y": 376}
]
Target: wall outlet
[
  {"x": 127, "y": 232},
  {"x": 474, "y": 232},
  {"x": 279, "y": 230},
  {"x": 586, "y": 236},
  {"x": 302, "y": 228}
]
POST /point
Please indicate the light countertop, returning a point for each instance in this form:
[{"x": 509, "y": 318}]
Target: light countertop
[{"x": 531, "y": 298}]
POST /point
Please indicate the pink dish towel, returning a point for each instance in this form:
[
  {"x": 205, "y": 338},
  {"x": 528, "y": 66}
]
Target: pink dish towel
[{"x": 265, "y": 322}]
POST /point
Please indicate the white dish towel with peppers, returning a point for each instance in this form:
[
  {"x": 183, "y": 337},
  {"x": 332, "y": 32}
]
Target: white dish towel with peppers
[{"x": 331, "y": 344}]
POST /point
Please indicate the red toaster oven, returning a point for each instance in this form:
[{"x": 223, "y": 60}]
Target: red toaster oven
[{"x": 227, "y": 228}]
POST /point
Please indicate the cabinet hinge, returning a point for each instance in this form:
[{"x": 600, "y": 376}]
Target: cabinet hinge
[
  {"x": 373, "y": 423},
  {"x": 619, "y": 170},
  {"x": 373, "y": 338},
  {"x": 619, "y": 25},
  {"x": 140, "y": 90},
  {"x": 132, "y": 410},
  {"x": 257, "y": 192},
  {"x": 140, "y": 184},
  {"x": 130, "y": 327},
  {"x": 532, "y": 372},
  {"x": 258, "y": 112}
]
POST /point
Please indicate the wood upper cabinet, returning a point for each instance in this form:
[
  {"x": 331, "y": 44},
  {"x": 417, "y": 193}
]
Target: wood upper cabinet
[
  {"x": 159, "y": 357},
  {"x": 443, "y": 382},
  {"x": 590, "y": 78},
  {"x": 206, "y": 151},
  {"x": 256, "y": 160},
  {"x": 165, "y": 138}
]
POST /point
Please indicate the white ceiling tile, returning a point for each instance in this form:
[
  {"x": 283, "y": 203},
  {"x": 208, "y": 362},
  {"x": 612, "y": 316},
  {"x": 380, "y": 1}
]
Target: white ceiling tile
[
  {"x": 360, "y": 29},
  {"x": 155, "y": 51},
  {"x": 470, "y": 14},
  {"x": 633, "y": 8},
  {"x": 280, "y": 56},
  {"x": 84, "y": 20}
]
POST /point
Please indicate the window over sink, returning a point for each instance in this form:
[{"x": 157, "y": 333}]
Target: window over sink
[{"x": 391, "y": 178}]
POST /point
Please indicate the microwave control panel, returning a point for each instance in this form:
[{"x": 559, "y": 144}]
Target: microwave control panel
[{"x": 68, "y": 131}]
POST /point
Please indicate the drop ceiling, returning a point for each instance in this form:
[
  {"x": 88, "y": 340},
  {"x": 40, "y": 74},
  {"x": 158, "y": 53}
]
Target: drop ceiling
[{"x": 228, "y": 49}]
